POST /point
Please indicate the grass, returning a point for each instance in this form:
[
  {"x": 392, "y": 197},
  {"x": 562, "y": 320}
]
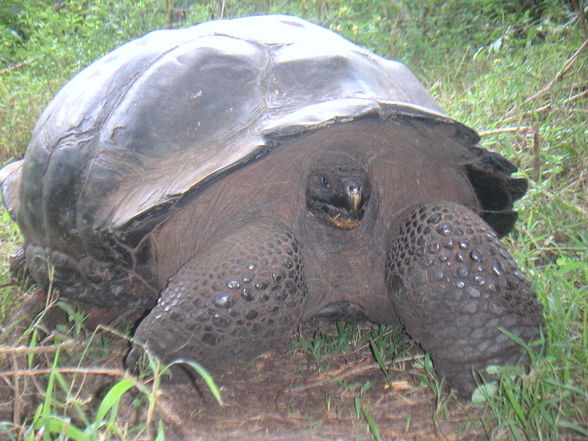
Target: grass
[
  {"x": 76, "y": 402},
  {"x": 507, "y": 69}
]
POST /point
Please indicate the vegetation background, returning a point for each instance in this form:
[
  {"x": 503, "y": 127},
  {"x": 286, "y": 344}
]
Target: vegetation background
[{"x": 515, "y": 70}]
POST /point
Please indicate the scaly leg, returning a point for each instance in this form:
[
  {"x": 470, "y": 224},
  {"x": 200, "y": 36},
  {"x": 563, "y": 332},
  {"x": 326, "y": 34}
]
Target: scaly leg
[
  {"x": 453, "y": 285},
  {"x": 243, "y": 296}
]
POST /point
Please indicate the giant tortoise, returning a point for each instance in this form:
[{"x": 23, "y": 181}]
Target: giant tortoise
[{"x": 233, "y": 179}]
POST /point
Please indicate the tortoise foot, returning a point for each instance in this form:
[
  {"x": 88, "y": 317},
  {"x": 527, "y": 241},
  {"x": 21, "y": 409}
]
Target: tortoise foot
[
  {"x": 454, "y": 285},
  {"x": 239, "y": 299}
]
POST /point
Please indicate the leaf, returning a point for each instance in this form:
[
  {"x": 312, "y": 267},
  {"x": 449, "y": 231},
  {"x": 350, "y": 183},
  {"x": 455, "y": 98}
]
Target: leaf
[{"x": 483, "y": 393}]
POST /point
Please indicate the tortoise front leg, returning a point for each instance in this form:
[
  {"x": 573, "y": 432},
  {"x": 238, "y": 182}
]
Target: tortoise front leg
[
  {"x": 243, "y": 296},
  {"x": 453, "y": 285}
]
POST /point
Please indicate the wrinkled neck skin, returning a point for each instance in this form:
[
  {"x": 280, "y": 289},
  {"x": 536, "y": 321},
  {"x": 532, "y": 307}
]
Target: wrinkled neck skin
[{"x": 341, "y": 215}]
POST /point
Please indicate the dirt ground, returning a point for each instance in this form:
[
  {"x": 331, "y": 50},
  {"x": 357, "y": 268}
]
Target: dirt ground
[
  {"x": 280, "y": 396},
  {"x": 283, "y": 397}
]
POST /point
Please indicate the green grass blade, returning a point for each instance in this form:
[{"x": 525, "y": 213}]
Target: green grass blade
[
  {"x": 514, "y": 430},
  {"x": 32, "y": 344},
  {"x": 205, "y": 376},
  {"x": 160, "y": 432},
  {"x": 366, "y": 386},
  {"x": 371, "y": 423},
  {"x": 30, "y": 435},
  {"x": 516, "y": 407},
  {"x": 112, "y": 397},
  {"x": 357, "y": 406},
  {"x": 62, "y": 426},
  {"x": 377, "y": 353},
  {"x": 45, "y": 413},
  {"x": 573, "y": 426},
  {"x": 6, "y": 431}
]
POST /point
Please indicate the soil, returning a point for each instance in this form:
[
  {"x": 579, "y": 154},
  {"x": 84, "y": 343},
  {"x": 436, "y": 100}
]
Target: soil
[
  {"x": 279, "y": 396},
  {"x": 284, "y": 397}
]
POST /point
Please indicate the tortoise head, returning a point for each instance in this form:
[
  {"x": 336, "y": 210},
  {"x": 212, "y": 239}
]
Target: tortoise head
[{"x": 338, "y": 190}]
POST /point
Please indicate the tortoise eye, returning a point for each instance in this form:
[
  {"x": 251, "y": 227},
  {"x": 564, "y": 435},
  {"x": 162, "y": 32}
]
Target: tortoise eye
[{"x": 325, "y": 182}]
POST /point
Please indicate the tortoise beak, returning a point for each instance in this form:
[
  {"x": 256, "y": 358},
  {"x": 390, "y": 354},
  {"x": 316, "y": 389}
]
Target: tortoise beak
[
  {"x": 353, "y": 197},
  {"x": 353, "y": 204}
]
